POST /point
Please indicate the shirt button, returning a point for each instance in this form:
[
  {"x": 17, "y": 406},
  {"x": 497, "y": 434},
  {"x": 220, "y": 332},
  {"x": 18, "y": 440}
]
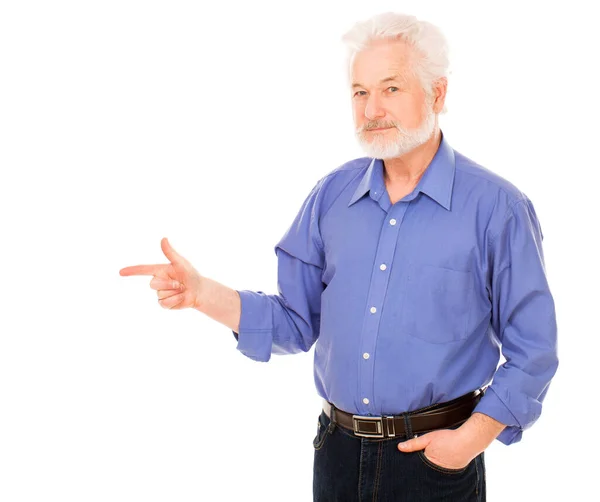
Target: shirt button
[
  {"x": 365, "y": 400},
  {"x": 393, "y": 221},
  {"x": 383, "y": 266},
  {"x": 366, "y": 355},
  {"x": 373, "y": 310}
]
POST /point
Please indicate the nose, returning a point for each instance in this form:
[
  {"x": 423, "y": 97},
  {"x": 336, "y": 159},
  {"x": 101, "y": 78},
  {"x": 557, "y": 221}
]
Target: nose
[{"x": 374, "y": 110}]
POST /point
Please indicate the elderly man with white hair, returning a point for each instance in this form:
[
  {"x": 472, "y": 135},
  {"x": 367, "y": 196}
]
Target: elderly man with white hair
[{"x": 411, "y": 271}]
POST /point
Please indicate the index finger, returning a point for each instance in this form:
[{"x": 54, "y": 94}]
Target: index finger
[{"x": 142, "y": 270}]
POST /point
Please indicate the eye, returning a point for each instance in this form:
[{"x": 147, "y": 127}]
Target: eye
[
  {"x": 395, "y": 89},
  {"x": 357, "y": 93}
]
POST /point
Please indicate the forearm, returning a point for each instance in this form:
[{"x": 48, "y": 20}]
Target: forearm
[
  {"x": 480, "y": 430},
  {"x": 220, "y": 303}
]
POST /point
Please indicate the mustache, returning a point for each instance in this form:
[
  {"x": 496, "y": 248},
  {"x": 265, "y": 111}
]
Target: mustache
[{"x": 377, "y": 125}]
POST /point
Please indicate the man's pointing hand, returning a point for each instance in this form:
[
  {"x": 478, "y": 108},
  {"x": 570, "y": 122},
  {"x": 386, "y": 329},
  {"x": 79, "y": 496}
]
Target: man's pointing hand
[{"x": 177, "y": 284}]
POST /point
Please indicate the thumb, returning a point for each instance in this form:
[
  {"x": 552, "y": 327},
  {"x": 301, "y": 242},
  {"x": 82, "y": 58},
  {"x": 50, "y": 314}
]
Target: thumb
[
  {"x": 417, "y": 443},
  {"x": 170, "y": 253}
]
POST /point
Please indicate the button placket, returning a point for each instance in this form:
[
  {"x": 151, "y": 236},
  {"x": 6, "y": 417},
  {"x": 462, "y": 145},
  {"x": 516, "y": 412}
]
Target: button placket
[{"x": 384, "y": 255}]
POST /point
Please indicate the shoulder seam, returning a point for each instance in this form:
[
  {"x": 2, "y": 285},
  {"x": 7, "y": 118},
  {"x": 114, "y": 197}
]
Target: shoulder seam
[
  {"x": 340, "y": 193},
  {"x": 324, "y": 213},
  {"x": 507, "y": 216},
  {"x": 459, "y": 166}
]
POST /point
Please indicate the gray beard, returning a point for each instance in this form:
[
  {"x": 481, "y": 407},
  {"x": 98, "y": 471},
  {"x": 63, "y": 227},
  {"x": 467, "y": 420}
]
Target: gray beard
[{"x": 405, "y": 140}]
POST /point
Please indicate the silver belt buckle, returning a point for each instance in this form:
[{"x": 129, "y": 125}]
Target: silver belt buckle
[{"x": 356, "y": 419}]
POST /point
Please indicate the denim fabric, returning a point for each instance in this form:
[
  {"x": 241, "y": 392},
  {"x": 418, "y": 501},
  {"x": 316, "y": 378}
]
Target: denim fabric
[{"x": 348, "y": 468}]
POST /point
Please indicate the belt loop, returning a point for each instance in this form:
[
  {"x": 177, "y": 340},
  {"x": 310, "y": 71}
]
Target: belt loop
[
  {"x": 332, "y": 422},
  {"x": 407, "y": 426}
]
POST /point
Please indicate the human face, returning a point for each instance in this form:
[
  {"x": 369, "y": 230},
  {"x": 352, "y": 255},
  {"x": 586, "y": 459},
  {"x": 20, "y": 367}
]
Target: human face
[{"x": 392, "y": 112}]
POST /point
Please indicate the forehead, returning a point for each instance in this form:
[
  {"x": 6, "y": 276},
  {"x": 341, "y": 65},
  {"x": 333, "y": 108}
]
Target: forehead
[{"x": 380, "y": 59}]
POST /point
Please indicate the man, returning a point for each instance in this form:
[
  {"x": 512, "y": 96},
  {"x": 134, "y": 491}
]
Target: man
[{"x": 410, "y": 271}]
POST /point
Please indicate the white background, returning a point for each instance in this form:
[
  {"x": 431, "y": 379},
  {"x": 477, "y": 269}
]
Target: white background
[{"x": 123, "y": 122}]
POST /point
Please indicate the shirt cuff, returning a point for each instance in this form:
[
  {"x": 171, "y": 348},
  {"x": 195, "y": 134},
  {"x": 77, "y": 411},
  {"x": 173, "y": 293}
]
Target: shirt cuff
[
  {"x": 491, "y": 405},
  {"x": 255, "y": 336}
]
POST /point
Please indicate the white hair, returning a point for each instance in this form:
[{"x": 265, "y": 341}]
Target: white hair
[{"x": 430, "y": 43}]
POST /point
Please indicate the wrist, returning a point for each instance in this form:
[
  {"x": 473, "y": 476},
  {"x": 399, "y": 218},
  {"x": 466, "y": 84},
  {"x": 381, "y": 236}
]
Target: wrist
[
  {"x": 201, "y": 294},
  {"x": 479, "y": 431}
]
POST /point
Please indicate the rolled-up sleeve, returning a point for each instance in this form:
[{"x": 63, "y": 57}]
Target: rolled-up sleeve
[
  {"x": 288, "y": 322},
  {"x": 524, "y": 320}
]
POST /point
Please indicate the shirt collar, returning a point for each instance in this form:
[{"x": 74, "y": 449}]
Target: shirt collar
[{"x": 437, "y": 180}]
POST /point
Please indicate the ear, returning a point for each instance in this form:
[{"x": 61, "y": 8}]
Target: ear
[{"x": 439, "y": 88}]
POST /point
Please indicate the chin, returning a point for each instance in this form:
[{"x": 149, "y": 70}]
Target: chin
[
  {"x": 383, "y": 146},
  {"x": 386, "y": 149}
]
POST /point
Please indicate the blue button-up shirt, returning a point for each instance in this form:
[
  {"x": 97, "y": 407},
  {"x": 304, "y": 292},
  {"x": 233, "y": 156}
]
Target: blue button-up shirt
[{"x": 413, "y": 303}]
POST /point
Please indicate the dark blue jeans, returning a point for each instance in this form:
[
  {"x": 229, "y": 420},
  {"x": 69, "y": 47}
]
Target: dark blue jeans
[{"x": 348, "y": 468}]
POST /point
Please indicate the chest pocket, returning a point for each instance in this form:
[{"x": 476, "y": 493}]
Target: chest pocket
[{"x": 437, "y": 303}]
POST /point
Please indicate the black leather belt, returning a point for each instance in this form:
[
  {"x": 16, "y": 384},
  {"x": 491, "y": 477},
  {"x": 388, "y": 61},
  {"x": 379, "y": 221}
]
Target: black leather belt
[{"x": 437, "y": 416}]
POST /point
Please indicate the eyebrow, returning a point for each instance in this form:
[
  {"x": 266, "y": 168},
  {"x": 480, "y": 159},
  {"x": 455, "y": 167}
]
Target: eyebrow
[{"x": 396, "y": 77}]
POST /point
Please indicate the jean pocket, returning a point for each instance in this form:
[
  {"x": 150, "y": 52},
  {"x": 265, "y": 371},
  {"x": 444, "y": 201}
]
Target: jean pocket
[
  {"x": 439, "y": 468},
  {"x": 437, "y": 303},
  {"x": 322, "y": 425}
]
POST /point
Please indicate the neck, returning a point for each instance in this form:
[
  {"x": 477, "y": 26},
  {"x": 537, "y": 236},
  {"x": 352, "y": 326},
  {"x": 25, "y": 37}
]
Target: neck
[{"x": 409, "y": 168}]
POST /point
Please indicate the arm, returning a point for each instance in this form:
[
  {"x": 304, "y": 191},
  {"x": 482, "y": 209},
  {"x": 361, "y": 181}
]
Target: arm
[
  {"x": 479, "y": 431},
  {"x": 220, "y": 303},
  {"x": 287, "y": 322},
  {"x": 524, "y": 320}
]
